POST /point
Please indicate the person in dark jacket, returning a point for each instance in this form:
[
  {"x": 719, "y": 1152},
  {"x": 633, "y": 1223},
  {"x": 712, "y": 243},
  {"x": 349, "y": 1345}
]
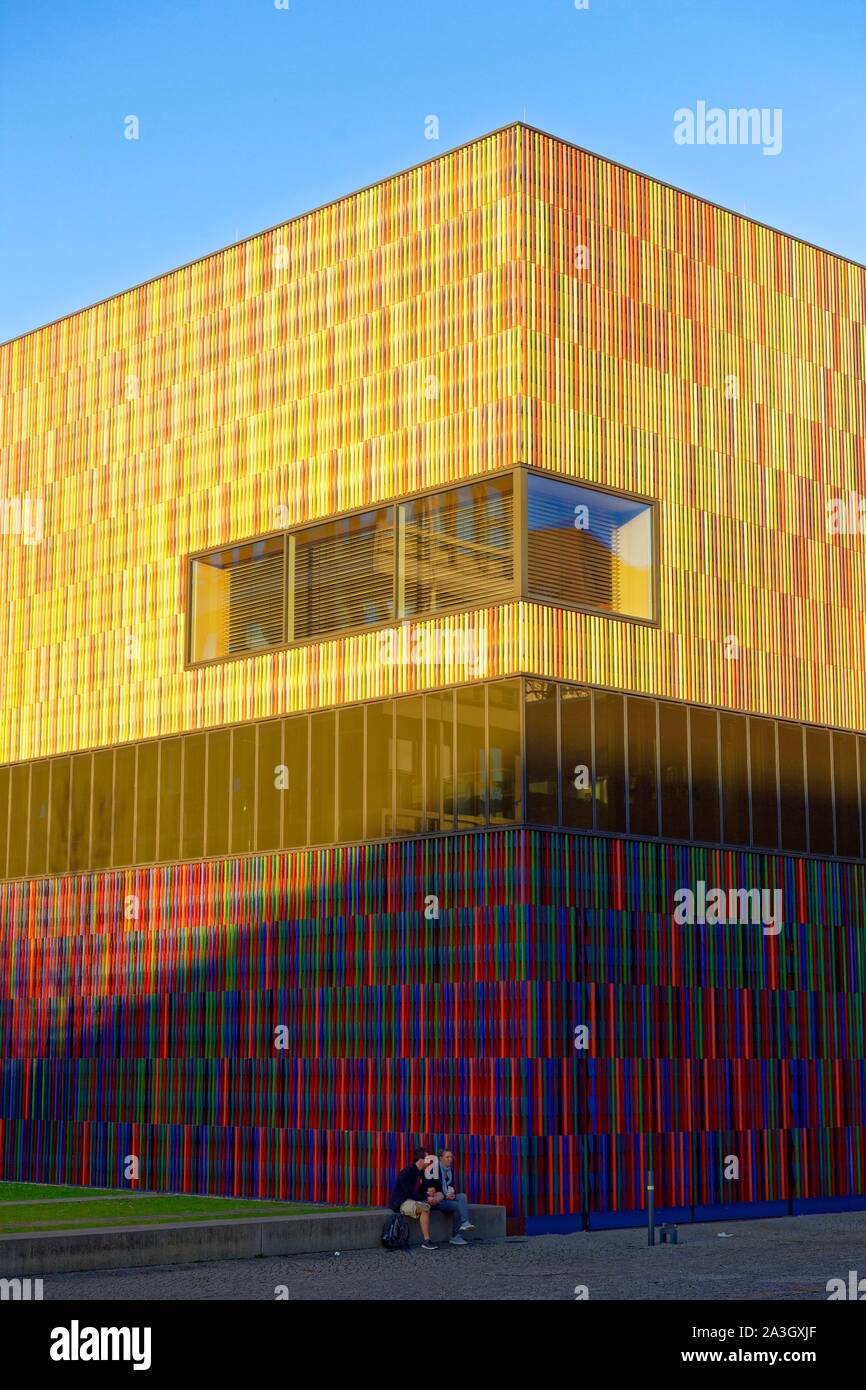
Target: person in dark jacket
[{"x": 410, "y": 1193}]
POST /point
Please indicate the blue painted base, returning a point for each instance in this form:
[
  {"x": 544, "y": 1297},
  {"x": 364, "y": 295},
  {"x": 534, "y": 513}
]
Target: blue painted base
[
  {"x": 740, "y": 1211},
  {"x": 684, "y": 1216},
  {"x": 553, "y": 1225},
  {"x": 625, "y": 1220},
  {"x": 813, "y": 1206}
]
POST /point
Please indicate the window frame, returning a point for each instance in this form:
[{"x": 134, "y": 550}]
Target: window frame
[{"x": 519, "y": 474}]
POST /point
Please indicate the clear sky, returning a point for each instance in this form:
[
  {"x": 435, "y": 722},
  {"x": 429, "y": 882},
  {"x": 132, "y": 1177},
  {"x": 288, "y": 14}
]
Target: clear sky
[{"x": 250, "y": 114}]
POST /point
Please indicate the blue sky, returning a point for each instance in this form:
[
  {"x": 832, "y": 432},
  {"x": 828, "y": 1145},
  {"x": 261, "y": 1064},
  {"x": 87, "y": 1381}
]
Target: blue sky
[{"x": 250, "y": 114}]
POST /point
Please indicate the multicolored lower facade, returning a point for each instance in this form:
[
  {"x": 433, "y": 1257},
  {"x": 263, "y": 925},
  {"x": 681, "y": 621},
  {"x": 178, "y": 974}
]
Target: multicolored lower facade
[
  {"x": 433, "y": 697},
  {"x": 707, "y": 1041}
]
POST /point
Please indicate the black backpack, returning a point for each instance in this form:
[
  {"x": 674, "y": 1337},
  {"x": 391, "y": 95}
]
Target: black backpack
[{"x": 395, "y": 1232}]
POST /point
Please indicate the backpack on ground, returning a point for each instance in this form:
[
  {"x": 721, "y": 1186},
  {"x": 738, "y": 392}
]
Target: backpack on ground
[{"x": 395, "y": 1233}]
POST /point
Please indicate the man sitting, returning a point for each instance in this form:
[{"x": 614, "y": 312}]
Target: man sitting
[
  {"x": 408, "y": 1195},
  {"x": 446, "y": 1198}
]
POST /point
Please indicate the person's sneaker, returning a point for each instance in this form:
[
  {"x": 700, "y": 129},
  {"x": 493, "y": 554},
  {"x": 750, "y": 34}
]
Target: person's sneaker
[
  {"x": 428, "y": 1245},
  {"x": 458, "y": 1240},
  {"x": 467, "y": 1226}
]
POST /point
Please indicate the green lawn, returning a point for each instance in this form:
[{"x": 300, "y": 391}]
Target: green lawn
[
  {"x": 36, "y": 1208},
  {"x": 37, "y": 1191}
]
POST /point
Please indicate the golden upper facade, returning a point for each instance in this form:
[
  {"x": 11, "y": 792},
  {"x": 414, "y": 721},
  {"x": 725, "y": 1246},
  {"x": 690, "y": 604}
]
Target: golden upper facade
[{"x": 516, "y": 300}]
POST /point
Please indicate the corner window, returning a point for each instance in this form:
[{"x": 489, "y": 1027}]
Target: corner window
[
  {"x": 589, "y": 549},
  {"x": 513, "y": 534}
]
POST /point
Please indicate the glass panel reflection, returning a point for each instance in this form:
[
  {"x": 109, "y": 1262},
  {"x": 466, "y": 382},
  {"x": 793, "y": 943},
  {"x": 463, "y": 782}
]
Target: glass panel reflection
[
  {"x": 589, "y": 549},
  {"x": 439, "y": 754},
  {"x": 470, "y": 756},
  {"x": 609, "y": 761},
  {"x": 542, "y": 753},
  {"x": 322, "y": 778},
  {"x": 504, "y": 761},
  {"x": 576, "y": 764},
  {"x": 410, "y": 765},
  {"x": 643, "y": 799},
  {"x": 674, "y": 760}
]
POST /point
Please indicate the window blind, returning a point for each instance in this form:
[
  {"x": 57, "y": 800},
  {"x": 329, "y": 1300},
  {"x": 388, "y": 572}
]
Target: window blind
[
  {"x": 343, "y": 574},
  {"x": 238, "y": 599},
  {"x": 457, "y": 548}
]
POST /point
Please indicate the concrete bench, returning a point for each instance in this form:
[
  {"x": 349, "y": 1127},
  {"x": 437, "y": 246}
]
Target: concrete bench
[{"x": 41, "y": 1253}]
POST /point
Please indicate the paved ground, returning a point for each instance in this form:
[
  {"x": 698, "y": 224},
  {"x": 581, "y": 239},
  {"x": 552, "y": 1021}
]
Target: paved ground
[{"x": 786, "y": 1258}]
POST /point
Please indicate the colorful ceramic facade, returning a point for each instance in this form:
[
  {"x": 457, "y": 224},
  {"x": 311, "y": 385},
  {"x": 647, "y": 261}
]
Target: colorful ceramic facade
[{"x": 515, "y": 302}]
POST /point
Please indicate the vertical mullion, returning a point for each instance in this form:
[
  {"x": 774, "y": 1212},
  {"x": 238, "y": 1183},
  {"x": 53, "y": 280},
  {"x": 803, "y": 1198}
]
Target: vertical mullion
[
  {"x": 454, "y": 762},
  {"x": 229, "y": 841},
  {"x": 720, "y": 778},
  {"x": 560, "y": 757},
  {"x": 519, "y": 534},
  {"x": 92, "y": 798},
  {"x": 183, "y": 795},
  {"x": 336, "y": 747},
  {"x": 288, "y": 593},
  {"x": 363, "y": 788},
  {"x": 424, "y": 777},
  {"x": 485, "y": 758},
  {"x": 689, "y": 773},
  {"x": 626, "y": 761},
  {"x": 860, "y": 807},
  {"x": 524, "y": 779},
  {"x": 749, "y": 779},
  {"x": 831, "y": 741},
  {"x": 396, "y": 579},
  {"x": 400, "y": 560},
  {"x": 158, "y": 800},
  {"x": 27, "y": 829},
  {"x": 778, "y": 785},
  {"x": 4, "y": 849},
  {"x": 205, "y": 808},
  {"x": 135, "y": 807},
  {"x": 283, "y": 763},
  {"x": 658, "y": 771},
  {"x": 255, "y": 817},
  {"x": 593, "y": 758},
  {"x": 285, "y": 594},
  {"x": 89, "y": 857},
  {"x": 69, "y": 799},
  {"x": 111, "y": 806},
  {"x": 392, "y": 754},
  {"x": 806, "y": 789},
  {"x": 51, "y": 762},
  {"x": 308, "y": 720}
]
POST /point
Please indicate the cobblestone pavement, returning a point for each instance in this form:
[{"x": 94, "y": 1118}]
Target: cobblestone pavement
[{"x": 786, "y": 1258}]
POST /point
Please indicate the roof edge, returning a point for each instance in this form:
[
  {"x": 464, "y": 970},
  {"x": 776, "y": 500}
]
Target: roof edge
[{"x": 423, "y": 164}]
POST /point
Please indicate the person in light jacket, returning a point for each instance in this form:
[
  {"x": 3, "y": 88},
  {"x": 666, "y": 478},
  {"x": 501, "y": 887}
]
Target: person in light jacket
[{"x": 446, "y": 1197}]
